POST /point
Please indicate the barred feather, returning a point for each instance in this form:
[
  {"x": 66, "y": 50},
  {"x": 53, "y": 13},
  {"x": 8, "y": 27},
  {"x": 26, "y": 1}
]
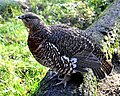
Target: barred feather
[{"x": 60, "y": 47}]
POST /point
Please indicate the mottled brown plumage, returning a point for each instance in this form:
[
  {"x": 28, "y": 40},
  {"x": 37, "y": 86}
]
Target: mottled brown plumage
[{"x": 59, "y": 47}]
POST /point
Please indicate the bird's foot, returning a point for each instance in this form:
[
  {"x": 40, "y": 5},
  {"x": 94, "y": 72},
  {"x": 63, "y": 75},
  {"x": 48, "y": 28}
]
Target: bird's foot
[{"x": 64, "y": 80}]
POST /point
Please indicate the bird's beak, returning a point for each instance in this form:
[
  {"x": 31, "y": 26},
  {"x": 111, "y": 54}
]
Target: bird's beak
[{"x": 21, "y": 17}]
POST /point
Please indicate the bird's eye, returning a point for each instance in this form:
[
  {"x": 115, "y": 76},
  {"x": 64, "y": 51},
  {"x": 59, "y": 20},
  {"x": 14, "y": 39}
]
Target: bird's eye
[{"x": 23, "y": 16}]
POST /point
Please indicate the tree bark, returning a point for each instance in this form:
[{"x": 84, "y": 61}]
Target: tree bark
[{"x": 105, "y": 31}]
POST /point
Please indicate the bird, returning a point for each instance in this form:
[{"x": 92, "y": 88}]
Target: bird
[{"x": 60, "y": 48}]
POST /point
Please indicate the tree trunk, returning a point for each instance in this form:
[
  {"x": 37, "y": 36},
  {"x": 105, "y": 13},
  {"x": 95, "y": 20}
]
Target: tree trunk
[{"x": 105, "y": 31}]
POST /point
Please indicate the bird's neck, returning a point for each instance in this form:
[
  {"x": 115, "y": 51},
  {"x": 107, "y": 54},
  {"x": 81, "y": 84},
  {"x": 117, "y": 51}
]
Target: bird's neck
[
  {"x": 37, "y": 35},
  {"x": 40, "y": 29}
]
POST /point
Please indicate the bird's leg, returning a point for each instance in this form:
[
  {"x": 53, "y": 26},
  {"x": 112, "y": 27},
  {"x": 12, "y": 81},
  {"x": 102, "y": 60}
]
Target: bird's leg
[
  {"x": 51, "y": 73},
  {"x": 64, "y": 81},
  {"x": 50, "y": 79},
  {"x": 53, "y": 76}
]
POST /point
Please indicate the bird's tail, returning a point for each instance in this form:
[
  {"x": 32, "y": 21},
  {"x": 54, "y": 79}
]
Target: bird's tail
[
  {"x": 99, "y": 73},
  {"x": 105, "y": 68}
]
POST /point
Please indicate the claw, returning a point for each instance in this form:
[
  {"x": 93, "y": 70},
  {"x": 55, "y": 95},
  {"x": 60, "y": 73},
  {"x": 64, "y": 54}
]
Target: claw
[
  {"x": 64, "y": 80},
  {"x": 59, "y": 78}
]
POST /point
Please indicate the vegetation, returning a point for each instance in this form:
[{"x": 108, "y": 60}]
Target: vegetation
[
  {"x": 78, "y": 13},
  {"x": 19, "y": 71}
]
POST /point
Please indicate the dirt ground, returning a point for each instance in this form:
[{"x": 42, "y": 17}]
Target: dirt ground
[{"x": 111, "y": 85}]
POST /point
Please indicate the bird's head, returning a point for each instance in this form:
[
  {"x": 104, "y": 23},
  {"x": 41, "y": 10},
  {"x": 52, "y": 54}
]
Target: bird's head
[{"x": 30, "y": 20}]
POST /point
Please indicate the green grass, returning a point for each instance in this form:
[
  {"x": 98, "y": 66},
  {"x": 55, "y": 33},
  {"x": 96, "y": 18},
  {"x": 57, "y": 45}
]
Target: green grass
[{"x": 19, "y": 72}]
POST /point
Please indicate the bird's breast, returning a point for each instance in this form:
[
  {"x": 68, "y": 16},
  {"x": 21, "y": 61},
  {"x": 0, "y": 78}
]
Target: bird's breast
[
  {"x": 34, "y": 43},
  {"x": 38, "y": 50}
]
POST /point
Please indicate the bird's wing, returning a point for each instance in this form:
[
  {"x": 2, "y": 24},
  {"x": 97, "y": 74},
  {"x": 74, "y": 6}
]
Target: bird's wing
[
  {"x": 73, "y": 43},
  {"x": 68, "y": 40},
  {"x": 87, "y": 60}
]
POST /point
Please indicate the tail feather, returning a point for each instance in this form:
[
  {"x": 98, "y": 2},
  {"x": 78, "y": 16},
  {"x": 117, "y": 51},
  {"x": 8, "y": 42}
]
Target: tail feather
[
  {"x": 99, "y": 73},
  {"x": 107, "y": 67}
]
